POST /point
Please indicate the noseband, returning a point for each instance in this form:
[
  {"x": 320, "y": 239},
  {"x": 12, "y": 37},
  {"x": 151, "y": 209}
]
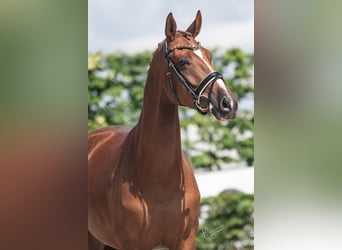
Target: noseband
[{"x": 210, "y": 79}]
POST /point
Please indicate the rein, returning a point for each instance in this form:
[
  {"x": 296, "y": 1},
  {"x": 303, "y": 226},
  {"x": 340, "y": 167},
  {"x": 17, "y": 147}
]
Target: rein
[{"x": 210, "y": 79}]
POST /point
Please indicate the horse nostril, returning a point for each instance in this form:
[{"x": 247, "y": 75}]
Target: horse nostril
[{"x": 224, "y": 104}]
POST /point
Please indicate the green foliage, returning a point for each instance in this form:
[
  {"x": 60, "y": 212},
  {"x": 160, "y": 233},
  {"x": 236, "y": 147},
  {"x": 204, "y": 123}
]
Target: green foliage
[
  {"x": 116, "y": 87},
  {"x": 228, "y": 222},
  {"x": 115, "y": 95}
]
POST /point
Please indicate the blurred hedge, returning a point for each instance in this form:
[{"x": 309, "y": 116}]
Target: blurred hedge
[{"x": 227, "y": 222}]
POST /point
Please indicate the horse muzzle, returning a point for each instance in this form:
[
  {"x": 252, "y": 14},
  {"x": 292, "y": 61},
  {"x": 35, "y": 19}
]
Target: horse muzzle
[
  {"x": 224, "y": 108},
  {"x": 218, "y": 100}
]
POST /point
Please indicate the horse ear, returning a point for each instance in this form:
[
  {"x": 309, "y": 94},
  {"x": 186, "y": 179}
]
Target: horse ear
[
  {"x": 170, "y": 27},
  {"x": 195, "y": 27}
]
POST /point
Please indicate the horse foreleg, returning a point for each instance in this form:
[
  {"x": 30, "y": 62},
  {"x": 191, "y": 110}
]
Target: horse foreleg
[
  {"x": 108, "y": 248},
  {"x": 94, "y": 244}
]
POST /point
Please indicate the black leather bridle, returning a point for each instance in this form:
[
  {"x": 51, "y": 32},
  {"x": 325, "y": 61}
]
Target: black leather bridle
[{"x": 210, "y": 79}]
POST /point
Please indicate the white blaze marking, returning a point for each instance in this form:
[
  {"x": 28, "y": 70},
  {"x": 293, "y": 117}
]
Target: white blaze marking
[
  {"x": 220, "y": 82},
  {"x": 198, "y": 52}
]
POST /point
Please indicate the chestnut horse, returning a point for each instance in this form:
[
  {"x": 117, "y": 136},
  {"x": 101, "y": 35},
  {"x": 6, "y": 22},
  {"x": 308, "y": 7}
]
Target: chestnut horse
[{"x": 142, "y": 193}]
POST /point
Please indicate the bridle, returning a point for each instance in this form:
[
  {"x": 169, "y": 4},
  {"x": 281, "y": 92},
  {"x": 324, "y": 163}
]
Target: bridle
[{"x": 197, "y": 93}]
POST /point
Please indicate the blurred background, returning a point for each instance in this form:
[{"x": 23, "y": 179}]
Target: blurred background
[
  {"x": 44, "y": 89},
  {"x": 121, "y": 40}
]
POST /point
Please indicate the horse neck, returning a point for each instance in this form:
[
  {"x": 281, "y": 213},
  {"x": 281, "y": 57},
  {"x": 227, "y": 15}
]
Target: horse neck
[{"x": 158, "y": 133}]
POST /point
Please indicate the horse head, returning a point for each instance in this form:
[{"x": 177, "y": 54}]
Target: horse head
[{"x": 191, "y": 76}]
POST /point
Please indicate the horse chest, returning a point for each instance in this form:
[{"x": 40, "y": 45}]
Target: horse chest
[{"x": 167, "y": 218}]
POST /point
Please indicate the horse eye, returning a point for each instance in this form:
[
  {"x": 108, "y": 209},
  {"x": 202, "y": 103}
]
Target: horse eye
[{"x": 182, "y": 62}]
